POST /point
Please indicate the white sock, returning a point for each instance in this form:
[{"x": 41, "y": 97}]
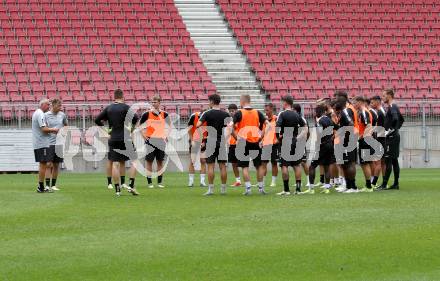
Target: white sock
[
  {"x": 238, "y": 179},
  {"x": 331, "y": 181},
  {"x": 247, "y": 185},
  {"x": 308, "y": 181},
  {"x": 223, "y": 188},
  {"x": 261, "y": 184},
  {"x": 191, "y": 178},
  {"x": 202, "y": 178},
  {"x": 343, "y": 181},
  {"x": 210, "y": 188},
  {"x": 274, "y": 179}
]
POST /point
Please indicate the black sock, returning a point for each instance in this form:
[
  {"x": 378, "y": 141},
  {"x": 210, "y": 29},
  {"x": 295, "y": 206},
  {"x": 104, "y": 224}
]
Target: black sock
[
  {"x": 41, "y": 185},
  {"x": 109, "y": 180},
  {"x": 396, "y": 171},
  {"x": 348, "y": 183},
  {"x": 117, "y": 188},
  {"x": 54, "y": 182},
  {"x": 159, "y": 179},
  {"x": 353, "y": 184},
  {"x": 122, "y": 179},
  {"x": 286, "y": 185},
  {"x": 368, "y": 183},
  {"x": 131, "y": 184},
  {"x": 321, "y": 178},
  {"x": 47, "y": 182},
  {"x": 149, "y": 180},
  {"x": 298, "y": 185},
  {"x": 388, "y": 170},
  {"x": 374, "y": 181}
]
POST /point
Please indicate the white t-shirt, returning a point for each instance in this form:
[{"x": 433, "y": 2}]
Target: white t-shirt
[
  {"x": 39, "y": 138},
  {"x": 53, "y": 120}
]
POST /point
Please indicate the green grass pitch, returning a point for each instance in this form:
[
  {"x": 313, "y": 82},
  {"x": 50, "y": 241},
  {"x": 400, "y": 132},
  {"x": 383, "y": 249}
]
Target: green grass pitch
[{"x": 85, "y": 233}]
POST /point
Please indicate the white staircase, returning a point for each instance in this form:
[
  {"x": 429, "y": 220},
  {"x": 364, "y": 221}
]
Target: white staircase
[{"x": 219, "y": 50}]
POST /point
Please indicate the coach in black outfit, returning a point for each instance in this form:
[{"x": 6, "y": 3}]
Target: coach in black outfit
[
  {"x": 393, "y": 122},
  {"x": 120, "y": 134}
]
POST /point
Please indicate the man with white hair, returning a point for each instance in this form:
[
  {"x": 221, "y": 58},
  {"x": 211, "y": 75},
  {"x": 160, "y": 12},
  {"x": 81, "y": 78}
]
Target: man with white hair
[{"x": 40, "y": 141}]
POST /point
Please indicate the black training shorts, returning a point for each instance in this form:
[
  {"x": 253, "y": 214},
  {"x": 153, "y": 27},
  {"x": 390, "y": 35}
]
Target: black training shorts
[
  {"x": 270, "y": 152},
  {"x": 41, "y": 155},
  {"x": 219, "y": 154},
  {"x": 382, "y": 142},
  {"x": 55, "y": 152},
  {"x": 286, "y": 161},
  {"x": 114, "y": 155},
  {"x": 364, "y": 149},
  {"x": 244, "y": 161},
  {"x": 232, "y": 158},
  {"x": 155, "y": 149}
]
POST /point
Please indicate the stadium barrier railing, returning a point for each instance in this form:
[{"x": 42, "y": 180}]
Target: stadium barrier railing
[{"x": 420, "y": 130}]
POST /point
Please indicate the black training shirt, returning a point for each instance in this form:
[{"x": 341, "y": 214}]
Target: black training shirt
[
  {"x": 346, "y": 120},
  {"x": 392, "y": 118},
  {"x": 191, "y": 120},
  {"x": 374, "y": 116},
  {"x": 364, "y": 117},
  {"x": 324, "y": 122},
  {"x": 290, "y": 118},
  {"x": 216, "y": 118},
  {"x": 381, "y": 117},
  {"x": 115, "y": 114}
]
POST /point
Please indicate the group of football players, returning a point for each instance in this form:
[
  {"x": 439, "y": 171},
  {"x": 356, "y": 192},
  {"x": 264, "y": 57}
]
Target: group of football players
[{"x": 344, "y": 132}]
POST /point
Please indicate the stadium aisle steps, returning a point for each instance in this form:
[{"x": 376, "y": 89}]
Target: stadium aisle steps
[{"x": 218, "y": 49}]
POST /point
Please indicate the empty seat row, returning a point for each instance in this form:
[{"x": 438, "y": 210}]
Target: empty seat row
[
  {"x": 309, "y": 48},
  {"x": 82, "y": 50}
]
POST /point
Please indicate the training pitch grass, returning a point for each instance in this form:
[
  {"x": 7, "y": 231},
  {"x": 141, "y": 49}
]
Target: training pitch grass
[{"x": 84, "y": 232}]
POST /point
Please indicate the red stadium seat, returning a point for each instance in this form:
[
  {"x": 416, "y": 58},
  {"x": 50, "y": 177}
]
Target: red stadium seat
[
  {"x": 95, "y": 110},
  {"x": 6, "y": 113},
  {"x": 70, "y": 111},
  {"x": 75, "y": 53},
  {"x": 304, "y": 48},
  {"x": 282, "y": 38}
]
